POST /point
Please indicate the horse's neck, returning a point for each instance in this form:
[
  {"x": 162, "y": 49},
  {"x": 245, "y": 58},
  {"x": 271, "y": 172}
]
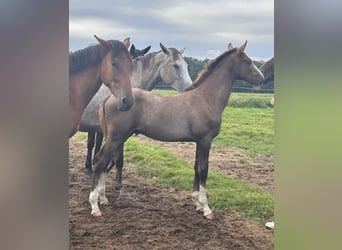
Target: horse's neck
[
  {"x": 146, "y": 73},
  {"x": 84, "y": 85},
  {"x": 217, "y": 86}
]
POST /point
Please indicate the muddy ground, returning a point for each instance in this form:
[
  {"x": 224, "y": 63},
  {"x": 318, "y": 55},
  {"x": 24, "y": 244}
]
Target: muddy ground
[{"x": 146, "y": 216}]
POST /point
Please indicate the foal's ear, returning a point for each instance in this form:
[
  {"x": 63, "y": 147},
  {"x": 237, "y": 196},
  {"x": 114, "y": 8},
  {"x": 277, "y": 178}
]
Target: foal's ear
[
  {"x": 127, "y": 42},
  {"x": 230, "y": 46},
  {"x": 165, "y": 50},
  {"x": 243, "y": 46},
  {"x": 146, "y": 49},
  {"x": 182, "y": 51},
  {"x": 104, "y": 43}
]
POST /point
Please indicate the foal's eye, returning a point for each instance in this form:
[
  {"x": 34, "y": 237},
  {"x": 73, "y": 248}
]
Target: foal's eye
[{"x": 114, "y": 64}]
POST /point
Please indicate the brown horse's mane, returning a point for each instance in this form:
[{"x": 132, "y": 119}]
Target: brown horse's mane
[
  {"x": 91, "y": 55},
  {"x": 208, "y": 69}
]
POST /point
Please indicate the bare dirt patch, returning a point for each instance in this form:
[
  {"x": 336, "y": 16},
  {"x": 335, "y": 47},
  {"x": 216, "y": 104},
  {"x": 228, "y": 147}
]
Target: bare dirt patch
[{"x": 147, "y": 216}]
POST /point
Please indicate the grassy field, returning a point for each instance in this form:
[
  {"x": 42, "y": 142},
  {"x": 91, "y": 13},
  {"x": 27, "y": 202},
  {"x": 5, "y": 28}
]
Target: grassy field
[{"x": 248, "y": 124}]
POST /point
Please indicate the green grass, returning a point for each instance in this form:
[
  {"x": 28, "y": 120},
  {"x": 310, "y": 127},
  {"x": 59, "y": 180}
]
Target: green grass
[
  {"x": 250, "y": 100},
  {"x": 82, "y": 136},
  {"x": 223, "y": 192},
  {"x": 250, "y": 129}
]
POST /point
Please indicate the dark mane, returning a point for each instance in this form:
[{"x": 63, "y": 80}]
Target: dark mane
[
  {"x": 91, "y": 55},
  {"x": 208, "y": 69}
]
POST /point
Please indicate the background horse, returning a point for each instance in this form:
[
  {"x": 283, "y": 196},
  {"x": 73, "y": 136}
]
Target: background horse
[
  {"x": 167, "y": 65},
  {"x": 268, "y": 70},
  {"x": 108, "y": 63},
  {"x": 194, "y": 115},
  {"x": 137, "y": 52}
]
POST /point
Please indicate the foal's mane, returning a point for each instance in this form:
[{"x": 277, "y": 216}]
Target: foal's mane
[
  {"x": 208, "y": 69},
  {"x": 91, "y": 55}
]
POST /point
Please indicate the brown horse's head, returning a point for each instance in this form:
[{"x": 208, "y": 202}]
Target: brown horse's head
[
  {"x": 268, "y": 70},
  {"x": 245, "y": 68},
  {"x": 116, "y": 70}
]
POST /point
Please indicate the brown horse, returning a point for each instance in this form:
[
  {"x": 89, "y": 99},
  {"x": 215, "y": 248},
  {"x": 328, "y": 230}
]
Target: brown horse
[
  {"x": 108, "y": 63},
  {"x": 268, "y": 70},
  {"x": 194, "y": 115}
]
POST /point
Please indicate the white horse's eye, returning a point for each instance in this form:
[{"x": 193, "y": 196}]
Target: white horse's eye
[{"x": 176, "y": 66}]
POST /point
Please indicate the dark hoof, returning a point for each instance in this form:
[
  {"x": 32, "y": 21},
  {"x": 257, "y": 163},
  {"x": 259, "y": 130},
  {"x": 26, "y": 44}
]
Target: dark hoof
[
  {"x": 88, "y": 171},
  {"x": 118, "y": 187}
]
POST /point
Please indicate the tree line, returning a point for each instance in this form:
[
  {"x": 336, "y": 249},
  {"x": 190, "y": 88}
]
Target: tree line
[{"x": 195, "y": 66}]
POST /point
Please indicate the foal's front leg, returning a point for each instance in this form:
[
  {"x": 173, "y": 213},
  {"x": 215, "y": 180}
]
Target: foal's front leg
[
  {"x": 99, "y": 178},
  {"x": 201, "y": 173}
]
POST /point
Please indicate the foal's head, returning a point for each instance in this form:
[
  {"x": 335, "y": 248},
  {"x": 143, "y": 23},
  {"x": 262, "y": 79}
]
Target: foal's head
[
  {"x": 174, "y": 70},
  {"x": 244, "y": 67},
  {"x": 116, "y": 70}
]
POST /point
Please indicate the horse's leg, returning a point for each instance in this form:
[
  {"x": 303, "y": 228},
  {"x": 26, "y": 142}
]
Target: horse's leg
[
  {"x": 98, "y": 142},
  {"x": 102, "y": 160},
  {"x": 90, "y": 146},
  {"x": 102, "y": 189},
  {"x": 119, "y": 158},
  {"x": 203, "y": 157},
  {"x": 195, "y": 194}
]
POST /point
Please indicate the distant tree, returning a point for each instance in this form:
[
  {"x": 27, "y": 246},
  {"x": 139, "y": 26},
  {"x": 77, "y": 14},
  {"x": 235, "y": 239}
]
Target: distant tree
[{"x": 194, "y": 66}]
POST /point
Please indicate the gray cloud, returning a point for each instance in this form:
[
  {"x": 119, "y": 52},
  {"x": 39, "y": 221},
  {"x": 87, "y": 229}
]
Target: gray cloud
[{"x": 200, "y": 26}]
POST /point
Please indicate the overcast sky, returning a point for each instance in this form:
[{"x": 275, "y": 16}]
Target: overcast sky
[{"x": 203, "y": 27}]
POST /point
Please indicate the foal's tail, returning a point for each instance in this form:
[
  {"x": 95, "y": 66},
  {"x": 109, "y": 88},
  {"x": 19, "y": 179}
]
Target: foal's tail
[{"x": 102, "y": 117}]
